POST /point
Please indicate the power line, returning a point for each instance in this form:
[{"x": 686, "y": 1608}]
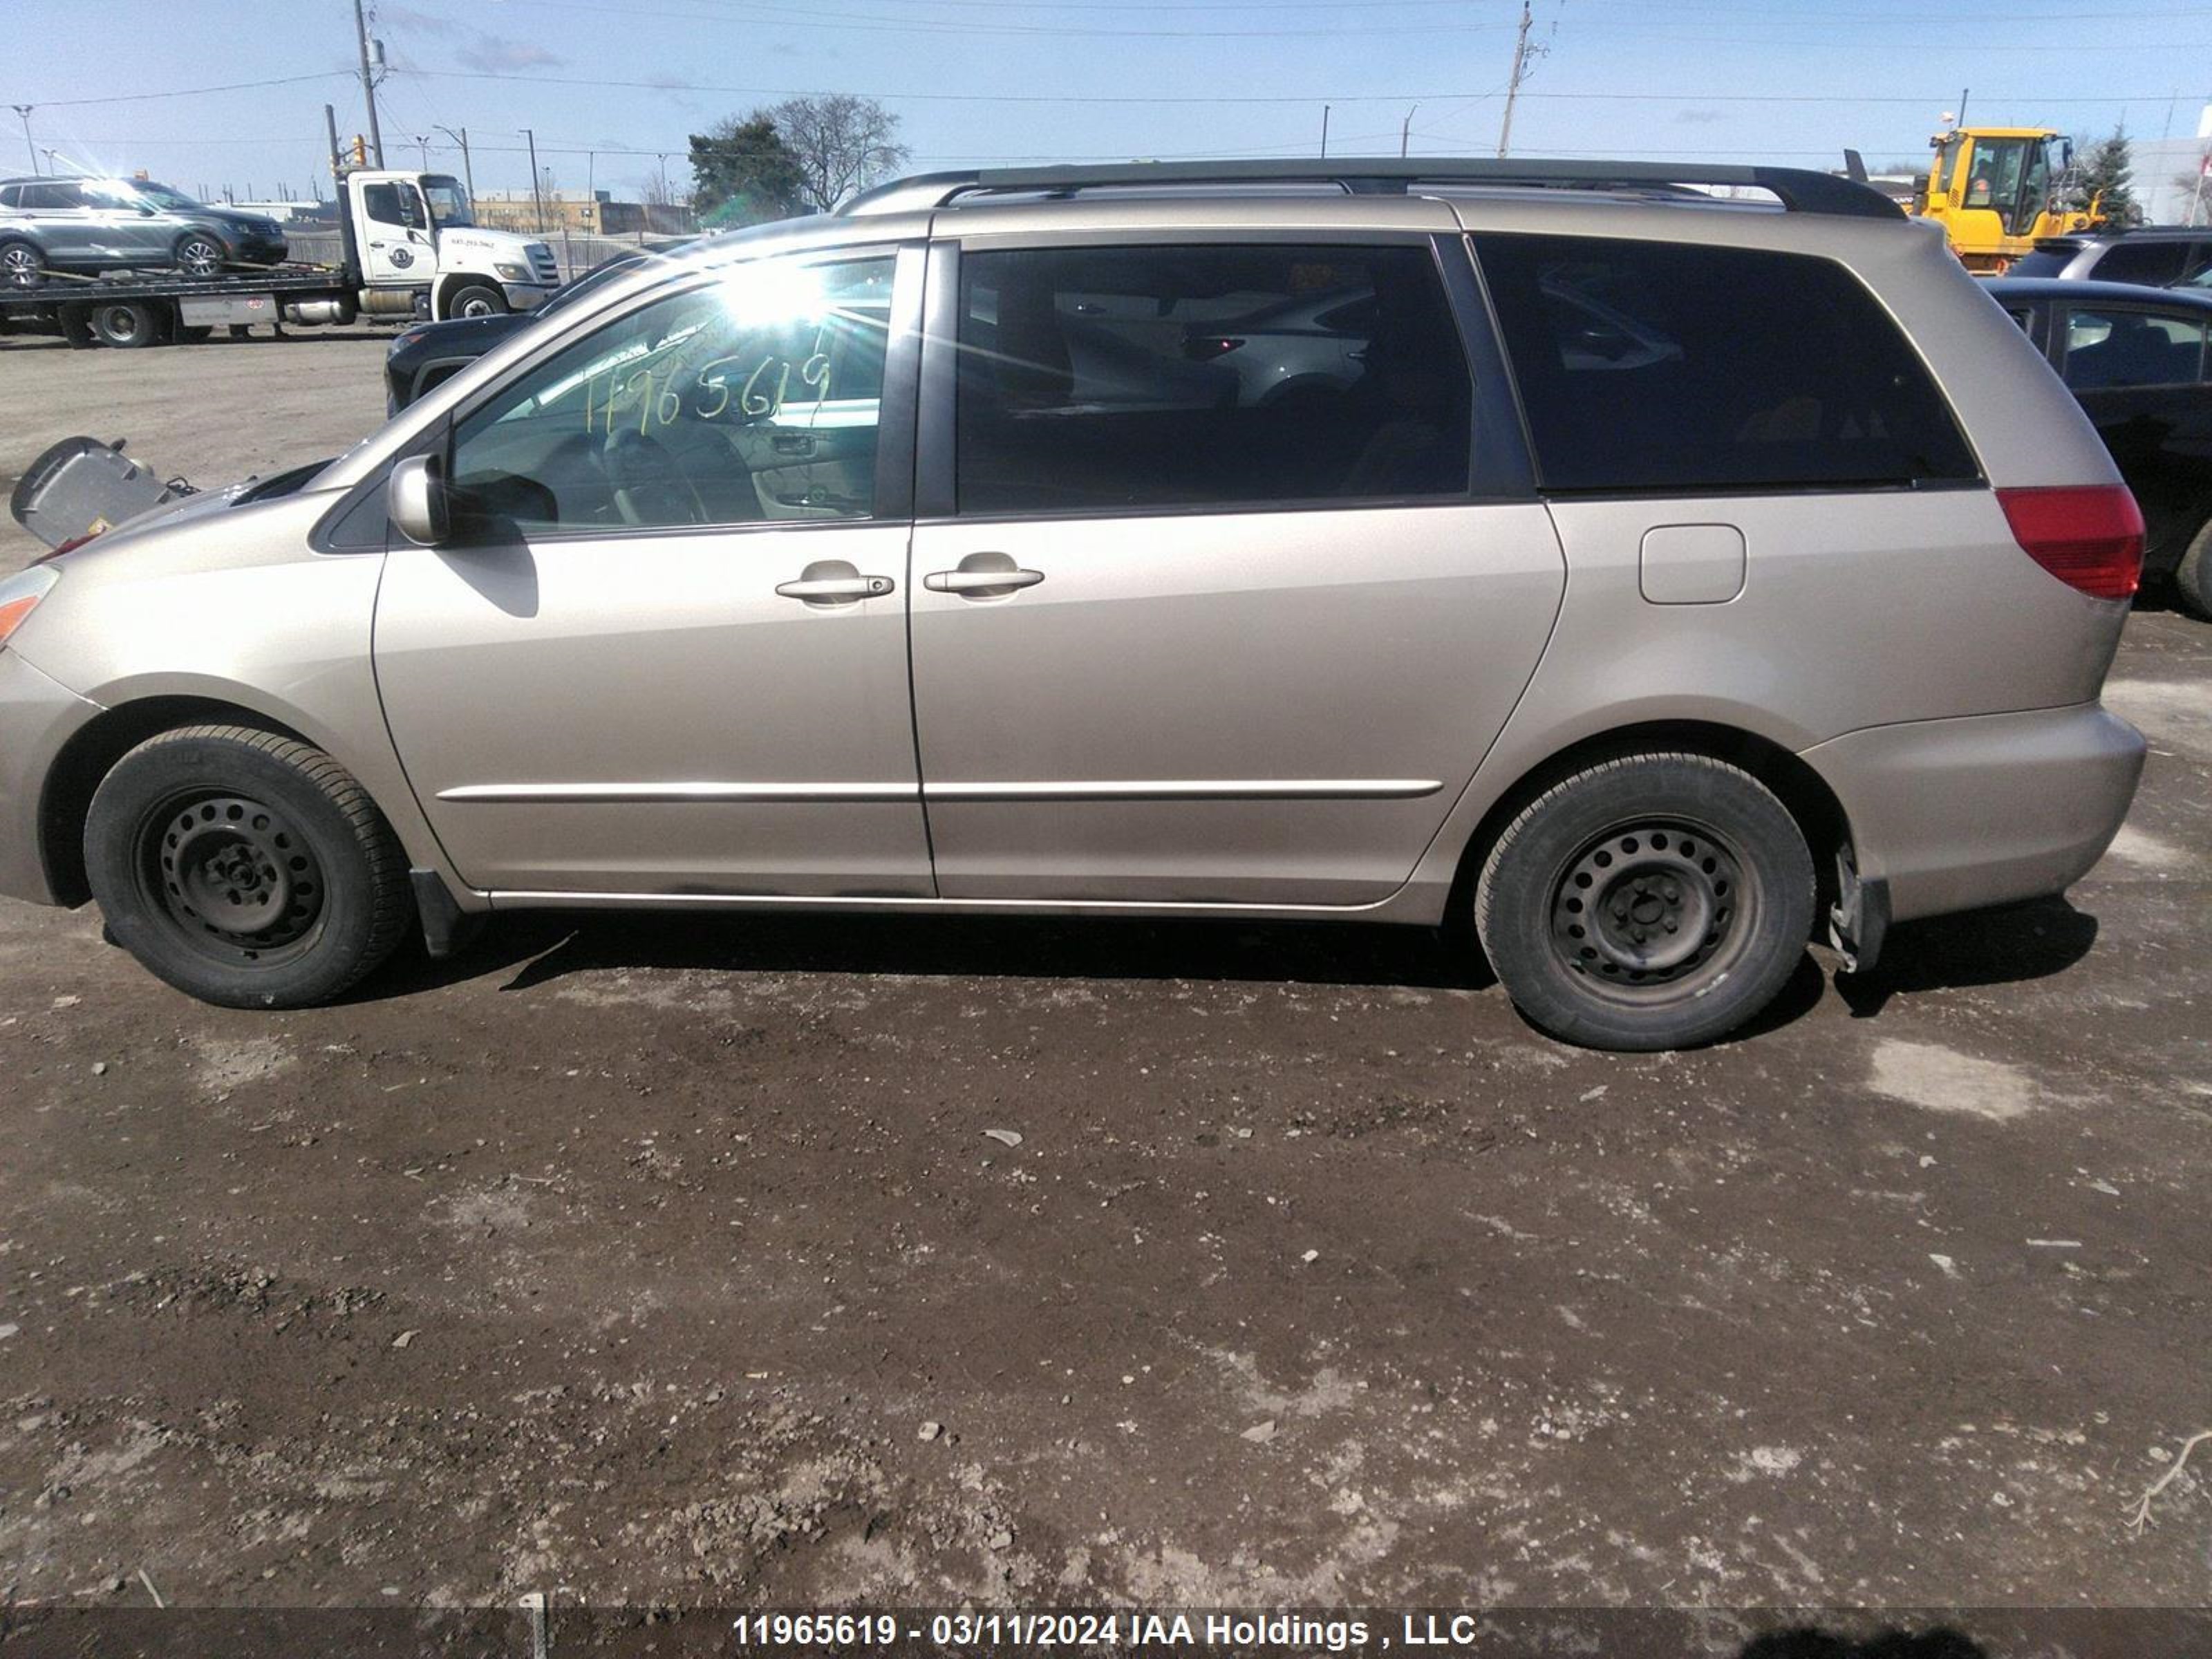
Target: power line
[
  {"x": 1937, "y": 99},
  {"x": 761, "y": 11},
  {"x": 193, "y": 92}
]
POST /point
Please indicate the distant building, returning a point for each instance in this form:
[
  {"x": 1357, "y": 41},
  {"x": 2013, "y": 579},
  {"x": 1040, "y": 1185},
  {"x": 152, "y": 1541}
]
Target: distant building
[
  {"x": 594, "y": 215},
  {"x": 2170, "y": 180}
]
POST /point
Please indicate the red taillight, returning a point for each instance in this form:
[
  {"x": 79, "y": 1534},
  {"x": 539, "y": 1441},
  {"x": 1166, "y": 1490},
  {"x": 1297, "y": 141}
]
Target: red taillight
[
  {"x": 1205, "y": 348},
  {"x": 2091, "y": 537}
]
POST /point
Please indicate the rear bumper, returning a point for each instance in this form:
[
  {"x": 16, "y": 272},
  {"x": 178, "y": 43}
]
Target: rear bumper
[
  {"x": 1952, "y": 815},
  {"x": 38, "y": 715}
]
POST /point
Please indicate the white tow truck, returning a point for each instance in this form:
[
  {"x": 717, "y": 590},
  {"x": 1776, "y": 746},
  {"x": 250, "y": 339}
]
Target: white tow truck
[{"x": 410, "y": 247}]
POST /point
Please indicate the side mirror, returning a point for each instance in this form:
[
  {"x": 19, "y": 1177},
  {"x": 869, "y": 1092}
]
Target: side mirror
[{"x": 415, "y": 496}]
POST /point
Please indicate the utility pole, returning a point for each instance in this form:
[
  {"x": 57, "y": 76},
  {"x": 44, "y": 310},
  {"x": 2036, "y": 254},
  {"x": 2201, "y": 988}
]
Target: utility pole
[
  {"x": 1513, "y": 85},
  {"x": 1324, "y": 132},
  {"x": 338, "y": 157},
  {"x": 460, "y": 136},
  {"x": 24, "y": 110},
  {"x": 368, "y": 81},
  {"x": 1405, "y": 132},
  {"x": 537, "y": 196}
]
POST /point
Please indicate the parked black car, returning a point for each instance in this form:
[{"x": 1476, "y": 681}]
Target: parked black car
[
  {"x": 2136, "y": 358},
  {"x": 429, "y": 353}
]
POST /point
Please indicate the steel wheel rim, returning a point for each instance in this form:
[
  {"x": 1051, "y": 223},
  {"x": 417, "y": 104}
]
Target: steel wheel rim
[
  {"x": 232, "y": 877},
  {"x": 1650, "y": 910},
  {"x": 200, "y": 257},
  {"x": 477, "y": 308},
  {"x": 121, "y": 323}
]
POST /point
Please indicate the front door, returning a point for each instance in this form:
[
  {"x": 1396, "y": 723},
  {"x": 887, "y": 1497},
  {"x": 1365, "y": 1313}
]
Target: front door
[
  {"x": 1219, "y": 615},
  {"x": 394, "y": 229},
  {"x": 669, "y": 657}
]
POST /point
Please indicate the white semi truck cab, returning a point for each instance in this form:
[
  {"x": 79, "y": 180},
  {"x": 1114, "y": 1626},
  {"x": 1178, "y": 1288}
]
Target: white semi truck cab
[{"x": 414, "y": 242}]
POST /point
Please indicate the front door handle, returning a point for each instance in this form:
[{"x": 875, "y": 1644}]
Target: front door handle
[
  {"x": 980, "y": 581},
  {"x": 835, "y": 587}
]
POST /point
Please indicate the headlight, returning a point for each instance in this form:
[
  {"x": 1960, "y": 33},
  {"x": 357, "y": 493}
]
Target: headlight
[
  {"x": 21, "y": 593},
  {"x": 512, "y": 273}
]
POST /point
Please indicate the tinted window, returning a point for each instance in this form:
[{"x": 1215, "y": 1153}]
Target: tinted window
[
  {"x": 51, "y": 197},
  {"x": 2154, "y": 265},
  {"x": 1177, "y": 376},
  {"x": 1655, "y": 365},
  {"x": 383, "y": 204},
  {"x": 2119, "y": 347},
  {"x": 751, "y": 398}
]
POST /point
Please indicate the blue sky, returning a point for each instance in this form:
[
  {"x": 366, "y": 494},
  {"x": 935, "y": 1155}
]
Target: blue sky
[{"x": 979, "y": 80}]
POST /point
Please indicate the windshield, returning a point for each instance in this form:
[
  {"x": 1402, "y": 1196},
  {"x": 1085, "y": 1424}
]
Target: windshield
[{"x": 449, "y": 202}]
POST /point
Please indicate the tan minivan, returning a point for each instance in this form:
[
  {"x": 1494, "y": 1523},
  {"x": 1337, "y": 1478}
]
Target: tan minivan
[{"x": 1635, "y": 571}]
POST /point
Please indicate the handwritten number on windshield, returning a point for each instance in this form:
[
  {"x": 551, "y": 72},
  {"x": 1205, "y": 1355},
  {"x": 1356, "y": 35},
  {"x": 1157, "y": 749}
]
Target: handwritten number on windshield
[{"x": 761, "y": 395}]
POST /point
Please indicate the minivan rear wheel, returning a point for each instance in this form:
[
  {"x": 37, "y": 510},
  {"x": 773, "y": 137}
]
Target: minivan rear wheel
[
  {"x": 2192, "y": 577},
  {"x": 1655, "y": 901},
  {"x": 245, "y": 868}
]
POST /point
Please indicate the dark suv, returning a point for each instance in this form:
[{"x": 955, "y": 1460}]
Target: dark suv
[{"x": 107, "y": 224}]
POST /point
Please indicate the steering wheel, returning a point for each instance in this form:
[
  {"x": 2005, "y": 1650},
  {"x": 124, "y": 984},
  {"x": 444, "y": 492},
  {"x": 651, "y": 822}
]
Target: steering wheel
[{"x": 650, "y": 485}]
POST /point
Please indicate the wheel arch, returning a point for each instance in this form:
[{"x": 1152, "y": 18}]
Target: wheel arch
[
  {"x": 1804, "y": 793},
  {"x": 453, "y": 282},
  {"x": 91, "y": 753}
]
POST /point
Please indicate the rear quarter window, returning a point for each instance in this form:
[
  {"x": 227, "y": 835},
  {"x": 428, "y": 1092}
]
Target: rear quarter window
[
  {"x": 2042, "y": 263},
  {"x": 1655, "y": 366}
]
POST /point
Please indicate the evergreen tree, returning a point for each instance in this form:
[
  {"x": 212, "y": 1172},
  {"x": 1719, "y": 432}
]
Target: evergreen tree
[
  {"x": 745, "y": 173},
  {"x": 2107, "y": 170}
]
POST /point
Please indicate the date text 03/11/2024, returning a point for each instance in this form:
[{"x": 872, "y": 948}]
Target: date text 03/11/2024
[{"x": 1246, "y": 1631}]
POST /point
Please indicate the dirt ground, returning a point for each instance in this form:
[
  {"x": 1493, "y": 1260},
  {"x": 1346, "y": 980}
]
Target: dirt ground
[{"x": 696, "y": 1260}]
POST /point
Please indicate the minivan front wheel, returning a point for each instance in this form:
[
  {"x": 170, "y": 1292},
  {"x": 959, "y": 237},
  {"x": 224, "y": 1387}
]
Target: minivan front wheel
[
  {"x": 245, "y": 868},
  {"x": 1652, "y": 901}
]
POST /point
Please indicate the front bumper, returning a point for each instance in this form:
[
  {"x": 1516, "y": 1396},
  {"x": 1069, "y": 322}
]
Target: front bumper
[
  {"x": 38, "y": 715},
  {"x": 1955, "y": 814},
  {"x": 524, "y": 296}
]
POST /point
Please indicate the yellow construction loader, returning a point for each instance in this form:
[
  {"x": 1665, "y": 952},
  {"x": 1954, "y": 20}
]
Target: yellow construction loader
[{"x": 1995, "y": 190}]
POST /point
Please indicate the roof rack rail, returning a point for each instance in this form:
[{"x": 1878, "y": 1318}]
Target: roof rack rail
[{"x": 1798, "y": 189}]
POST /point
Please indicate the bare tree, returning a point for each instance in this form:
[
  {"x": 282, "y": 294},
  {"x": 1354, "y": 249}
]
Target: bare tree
[{"x": 843, "y": 143}]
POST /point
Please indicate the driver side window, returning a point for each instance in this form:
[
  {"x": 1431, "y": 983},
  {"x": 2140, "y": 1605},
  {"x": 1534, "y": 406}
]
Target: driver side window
[{"x": 751, "y": 398}]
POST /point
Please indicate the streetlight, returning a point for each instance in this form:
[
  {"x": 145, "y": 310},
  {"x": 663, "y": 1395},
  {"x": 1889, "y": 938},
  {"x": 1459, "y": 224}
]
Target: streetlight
[
  {"x": 467, "y": 173},
  {"x": 24, "y": 110},
  {"x": 423, "y": 145}
]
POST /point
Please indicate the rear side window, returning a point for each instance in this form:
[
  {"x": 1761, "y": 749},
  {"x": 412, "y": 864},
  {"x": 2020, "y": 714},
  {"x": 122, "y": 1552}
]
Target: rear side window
[
  {"x": 2044, "y": 262},
  {"x": 2151, "y": 265},
  {"x": 1665, "y": 367},
  {"x": 1133, "y": 377},
  {"x": 2108, "y": 347}
]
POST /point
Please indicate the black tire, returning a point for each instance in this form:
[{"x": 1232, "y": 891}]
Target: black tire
[
  {"x": 2192, "y": 577},
  {"x": 127, "y": 324},
  {"x": 199, "y": 254},
  {"x": 477, "y": 300},
  {"x": 210, "y": 825},
  {"x": 22, "y": 265},
  {"x": 1653, "y": 902}
]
